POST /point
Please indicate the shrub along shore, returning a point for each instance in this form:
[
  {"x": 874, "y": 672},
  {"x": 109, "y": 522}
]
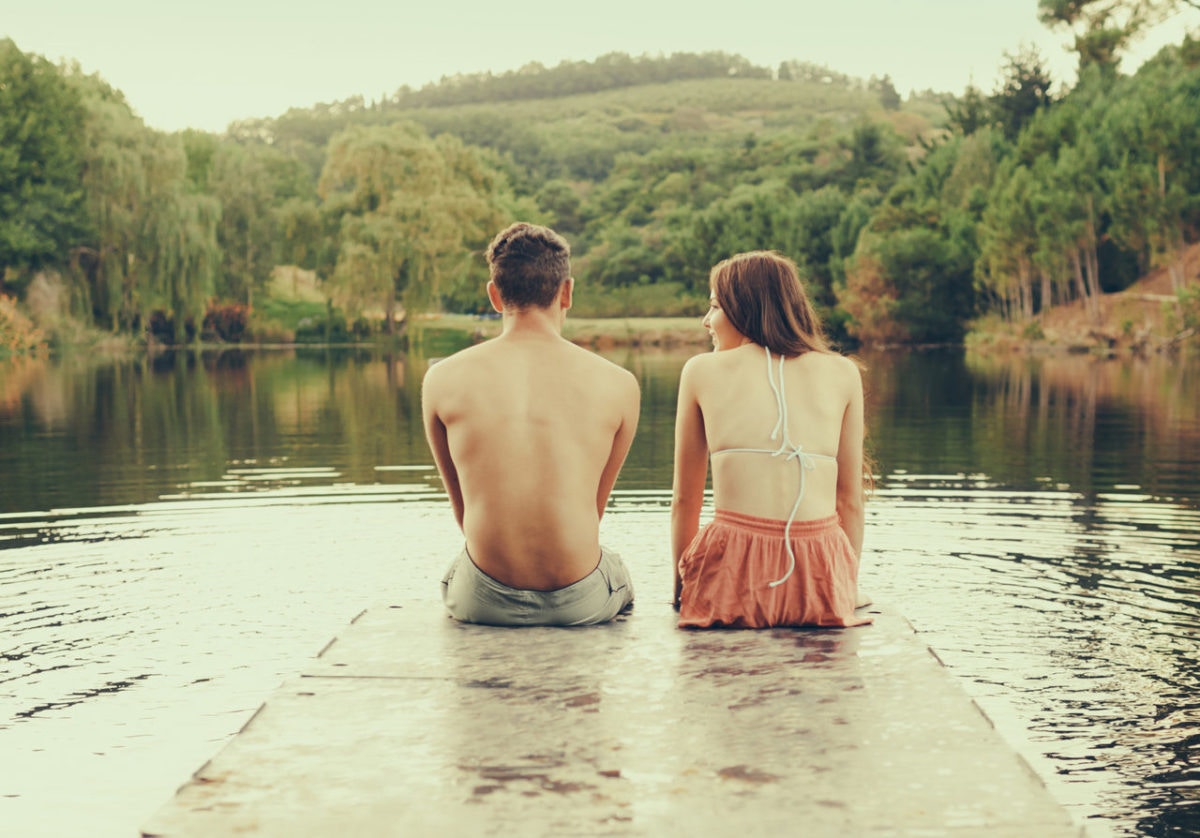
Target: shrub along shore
[
  {"x": 595, "y": 332},
  {"x": 1135, "y": 322}
]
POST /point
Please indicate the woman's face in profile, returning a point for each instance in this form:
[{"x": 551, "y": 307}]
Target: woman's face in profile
[{"x": 723, "y": 333}]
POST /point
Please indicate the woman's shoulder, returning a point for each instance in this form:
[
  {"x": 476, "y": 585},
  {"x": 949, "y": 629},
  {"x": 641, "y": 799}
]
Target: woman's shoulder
[
  {"x": 722, "y": 363},
  {"x": 706, "y": 371},
  {"x": 694, "y": 369},
  {"x": 834, "y": 370},
  {"x": 699, "y": 364},
  {"x": 834, "y": 361}
]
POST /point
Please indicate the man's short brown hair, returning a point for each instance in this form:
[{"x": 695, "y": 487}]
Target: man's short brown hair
[{"x": 529, "y": 264}]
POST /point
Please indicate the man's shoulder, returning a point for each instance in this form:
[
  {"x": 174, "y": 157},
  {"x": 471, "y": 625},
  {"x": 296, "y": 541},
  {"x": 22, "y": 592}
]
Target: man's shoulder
[
  {"x": 463, "y": 357},
  {"x": 442, "y": 371}
]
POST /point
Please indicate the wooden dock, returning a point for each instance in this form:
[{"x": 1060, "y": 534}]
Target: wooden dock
[{"x": 412, "y": 724}]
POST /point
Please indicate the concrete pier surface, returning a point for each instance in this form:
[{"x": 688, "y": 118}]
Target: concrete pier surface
[{"x": 412, "y": 724}]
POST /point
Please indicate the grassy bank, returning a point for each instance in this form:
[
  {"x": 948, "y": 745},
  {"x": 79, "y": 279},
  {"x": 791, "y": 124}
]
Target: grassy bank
[{"x": 1147, "y": 317}]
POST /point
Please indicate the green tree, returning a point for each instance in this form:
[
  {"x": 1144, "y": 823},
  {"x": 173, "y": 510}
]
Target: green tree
[
  {"x": 843, "y": 238},
  {"x": 873, "y": 155},
  {"x": 1007, "y": 240},
  {"x": 969, "y": 113},
  {"x": 200, "y": 147},
  {"x": 910, "y": 276},
  {"x": 974, "y": 169},
  {"x": 930, "y": 271},
  {"x": 886, "y": 90},
  {"x": 816, "y": 217},
  {"x": 184, "y": 257},
  {"x": 1103, "y": 29},
  {"x": 303, "y": 236},
  {"x": 42, "y": 213},
  {"x": 1154, "y": 188},
  {"x": 253, "y": 183},
  {"x": 562, "y": 203},
  {"x": 1075, "y": 212},
  {"x": 153, "y": 242},
  {"x": 247, "y": 233},
  {"x": 1024, "y": 91},
  {"x": 414, "y": 213}
]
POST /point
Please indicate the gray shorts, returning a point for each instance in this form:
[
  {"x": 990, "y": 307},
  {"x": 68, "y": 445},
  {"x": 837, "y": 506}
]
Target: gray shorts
[{"x": 474, "y": 597}]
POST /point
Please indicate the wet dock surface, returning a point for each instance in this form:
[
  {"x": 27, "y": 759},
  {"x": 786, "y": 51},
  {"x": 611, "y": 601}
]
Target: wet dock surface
[{"x": 409, "y": 723}]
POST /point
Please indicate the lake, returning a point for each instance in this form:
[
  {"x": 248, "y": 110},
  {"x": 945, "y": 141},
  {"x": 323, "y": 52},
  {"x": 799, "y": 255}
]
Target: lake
[{"x": 180, "y": 533}]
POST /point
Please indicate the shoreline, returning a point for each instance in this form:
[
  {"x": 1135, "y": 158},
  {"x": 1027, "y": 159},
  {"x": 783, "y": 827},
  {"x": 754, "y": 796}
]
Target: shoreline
[
  {"x": 1149, "y": 317},
  {"x": 599, "y": 333},
  {"x": 1130, "y": 323}
]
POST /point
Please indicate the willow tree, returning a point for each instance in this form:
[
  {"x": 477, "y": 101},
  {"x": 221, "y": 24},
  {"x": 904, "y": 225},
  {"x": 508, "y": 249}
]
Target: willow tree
[
  {"x": 115, "y": 183},
  {"x": 413, "y": 212},
  {"x": 153, "y": 244},
  {"x": 182, "y": 254},
  {"x": 254, "y": 183},
  {"x": 301, "y": 233}
]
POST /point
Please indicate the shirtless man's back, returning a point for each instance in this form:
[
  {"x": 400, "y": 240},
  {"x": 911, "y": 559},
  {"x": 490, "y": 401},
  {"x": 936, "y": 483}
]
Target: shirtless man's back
[{"x": 529, "y": 433}]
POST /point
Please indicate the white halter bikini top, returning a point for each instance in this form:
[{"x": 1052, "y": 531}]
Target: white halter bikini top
[{"x": 789, "y": 450}]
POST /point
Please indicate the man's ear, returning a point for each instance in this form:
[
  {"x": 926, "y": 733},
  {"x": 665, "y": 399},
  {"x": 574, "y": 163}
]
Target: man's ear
[
  {"x": 566, "y": 293},
  {"x": 494, "y": 296}
]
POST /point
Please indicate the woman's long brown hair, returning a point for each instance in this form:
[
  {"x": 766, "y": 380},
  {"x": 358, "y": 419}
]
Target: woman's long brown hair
[
  {"x": 764, "y": 299},
  {"x": 761, "y": 294}
]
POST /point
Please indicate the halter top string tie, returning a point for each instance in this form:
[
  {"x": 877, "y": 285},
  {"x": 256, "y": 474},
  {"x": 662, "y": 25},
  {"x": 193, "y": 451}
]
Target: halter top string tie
[
  {"x": 788, "y": 450},
  {"x": 804, "y": 460}
]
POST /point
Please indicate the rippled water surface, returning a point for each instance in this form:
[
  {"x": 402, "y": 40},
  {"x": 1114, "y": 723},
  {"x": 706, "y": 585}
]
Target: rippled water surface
[{"x": 179, "y": 536}]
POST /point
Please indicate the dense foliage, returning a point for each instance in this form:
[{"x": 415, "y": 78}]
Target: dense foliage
[
  {"x": 41, "y": 157},
  {"x": 909, "y": 217}
]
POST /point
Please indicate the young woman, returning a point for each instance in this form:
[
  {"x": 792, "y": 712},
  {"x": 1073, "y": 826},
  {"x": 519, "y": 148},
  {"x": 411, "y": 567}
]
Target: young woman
[{"x": 781, "y": 417}]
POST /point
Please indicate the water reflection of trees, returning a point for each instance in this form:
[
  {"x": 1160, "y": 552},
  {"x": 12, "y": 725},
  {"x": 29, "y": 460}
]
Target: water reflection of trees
[
  {"x": 649, "y": 464},
  {"x": 87, "y": 435},
  {"x": 1109, "y": 422},
  {"x": 18, "y": 378},
  {"x": 1093, "y": 424}
]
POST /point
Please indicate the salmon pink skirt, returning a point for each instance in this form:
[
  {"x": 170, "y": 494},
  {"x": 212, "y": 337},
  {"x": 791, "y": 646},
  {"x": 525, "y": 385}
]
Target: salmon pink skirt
[{"x": 728, "y": 569}]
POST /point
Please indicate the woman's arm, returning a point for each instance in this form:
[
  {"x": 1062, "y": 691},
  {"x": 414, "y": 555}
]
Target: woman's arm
[
  {"x": 850, "y": 498},
  {"x": 691, "y": 469}
]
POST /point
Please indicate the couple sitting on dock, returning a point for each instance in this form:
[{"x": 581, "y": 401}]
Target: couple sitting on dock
[{"x": 529, "y": 432}]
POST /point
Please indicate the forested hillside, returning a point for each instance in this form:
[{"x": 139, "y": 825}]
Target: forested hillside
[{"x": 909, "y": 216}]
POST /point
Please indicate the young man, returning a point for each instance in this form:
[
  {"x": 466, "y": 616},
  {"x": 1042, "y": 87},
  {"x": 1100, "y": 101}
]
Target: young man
[{"x": 529, "y": 432}]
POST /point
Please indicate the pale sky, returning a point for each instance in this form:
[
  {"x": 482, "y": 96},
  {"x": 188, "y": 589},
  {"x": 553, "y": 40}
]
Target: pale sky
[{"x": 203, "y": 65}]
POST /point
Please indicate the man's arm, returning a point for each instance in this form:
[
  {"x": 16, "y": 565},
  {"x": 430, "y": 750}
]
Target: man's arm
[
  {"x": 691, "y": 470},
  {"x": 435, "y": 435},
  {"x": 850, "y": 499},
  {"x": 630, "y": 400}
]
